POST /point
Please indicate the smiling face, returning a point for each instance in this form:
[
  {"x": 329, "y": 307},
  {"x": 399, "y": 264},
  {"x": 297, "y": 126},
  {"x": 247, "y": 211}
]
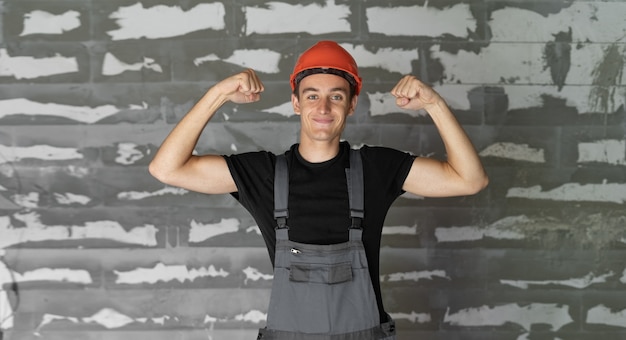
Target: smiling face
[{"x": 323, "y": 104}]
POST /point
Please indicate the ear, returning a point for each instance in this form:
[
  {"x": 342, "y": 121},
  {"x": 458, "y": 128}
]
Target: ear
[
  {"x": 296, "y": 104},
  {"x": 353, "y": 103}
]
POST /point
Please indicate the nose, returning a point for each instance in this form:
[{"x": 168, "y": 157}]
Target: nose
[{"x": 324, "y": 106}]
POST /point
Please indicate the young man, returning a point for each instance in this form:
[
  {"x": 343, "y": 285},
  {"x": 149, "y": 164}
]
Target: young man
[{"x": 323, "y": 245}]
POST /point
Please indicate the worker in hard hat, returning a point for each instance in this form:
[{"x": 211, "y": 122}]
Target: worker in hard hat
[{"x": 321, "y": 205}]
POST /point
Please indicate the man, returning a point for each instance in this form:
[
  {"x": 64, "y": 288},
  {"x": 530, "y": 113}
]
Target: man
[{"x": 323, "y": 245}]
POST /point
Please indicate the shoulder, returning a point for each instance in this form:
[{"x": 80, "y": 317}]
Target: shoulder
[
  {"x": 256, "y": 161},
  {"x": 382, "y": 153}
]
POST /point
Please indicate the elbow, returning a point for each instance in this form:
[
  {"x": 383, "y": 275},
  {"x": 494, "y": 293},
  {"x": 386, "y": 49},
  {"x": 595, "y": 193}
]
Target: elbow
[
  {"x": 157, "y": 172},
  {"x": 478, "y": 185}
]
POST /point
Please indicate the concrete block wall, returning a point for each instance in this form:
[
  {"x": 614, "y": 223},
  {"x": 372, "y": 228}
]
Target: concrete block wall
[{"x": 92, "y": 247}]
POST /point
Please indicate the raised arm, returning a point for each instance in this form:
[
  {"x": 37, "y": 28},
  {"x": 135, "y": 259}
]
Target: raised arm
[
  {"x": 174, "y": 163},
  {"x": 462, "y": 173}
]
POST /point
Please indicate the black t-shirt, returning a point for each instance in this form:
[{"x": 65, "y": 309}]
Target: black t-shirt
[{"x": 319, "y": 211}]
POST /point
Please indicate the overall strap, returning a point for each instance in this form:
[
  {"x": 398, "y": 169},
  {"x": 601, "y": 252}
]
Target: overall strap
[
  {"x": 281, "y": 191},
  {"x": 354, "y": 177}
]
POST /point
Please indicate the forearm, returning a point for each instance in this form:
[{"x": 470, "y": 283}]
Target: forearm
[{"x": 176, "y": 150}]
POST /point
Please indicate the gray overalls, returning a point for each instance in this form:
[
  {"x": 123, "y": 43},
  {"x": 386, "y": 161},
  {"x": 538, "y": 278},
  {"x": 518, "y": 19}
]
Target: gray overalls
[{"x": 322, "y": 292}]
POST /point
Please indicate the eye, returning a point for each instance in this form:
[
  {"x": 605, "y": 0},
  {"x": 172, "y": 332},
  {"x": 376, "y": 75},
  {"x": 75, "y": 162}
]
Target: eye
[
  {"x": 312, "y": 97},
  {"x": 337, "y": 97}
]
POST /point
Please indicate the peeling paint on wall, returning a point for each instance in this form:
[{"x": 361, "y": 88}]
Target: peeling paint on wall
[
  {"x": 82, "y": 114},
  {"x": 608, "y": 151},
  {"x": 137, "y": 22},
  {"x": 421, "y": 20},
  {"x": 511, "y": 24},
  {"x": 607, "y": 74},
  {"x": 256, "y": 275},
  {"x": 580, "y": 283},
  {"x": 260, "y": 60},
  {"x": 165, "y": 273},
  {"x": 7, "y": 310},
  {"x": 43, "y": 152},
  {"x": 201, "y": 232},
  {"x": 602, "y": 315},
  {"x": 574, "y": 192},
  {"x": 415, "y": 276},
  {"x": 69, "y": 198},
  {"x": 400, "y": 230},
  {"x": 30, "y": 68},
  {"x": 140, "y": 195},
  {"x": 279, "y": 17},
  {"x": 554, "y": 315},
  {"x": 505, "y": 229},
  {"x": 112, "y": 66},
  {"x": 519, "y": 152},
  {"x": 54, "y": 275},
  {"x": 35, "y": 231},
  {"x": 413, "y": 317},
  {"x": 42, "y": 22}
]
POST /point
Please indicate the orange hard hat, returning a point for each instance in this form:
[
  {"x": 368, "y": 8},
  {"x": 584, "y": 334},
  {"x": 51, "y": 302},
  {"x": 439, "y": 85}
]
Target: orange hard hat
[{"x": 325, "y": 57}]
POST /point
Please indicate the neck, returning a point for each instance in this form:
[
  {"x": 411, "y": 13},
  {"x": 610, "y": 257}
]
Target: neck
[{"x": 317, "y": 152}]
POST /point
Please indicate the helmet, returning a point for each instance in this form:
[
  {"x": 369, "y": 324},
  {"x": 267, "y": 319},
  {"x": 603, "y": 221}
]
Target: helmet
[{"x": 326, "y": 57}]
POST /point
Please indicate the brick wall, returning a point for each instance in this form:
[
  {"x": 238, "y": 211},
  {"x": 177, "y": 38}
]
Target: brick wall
[{"x": 92, "y": 247}]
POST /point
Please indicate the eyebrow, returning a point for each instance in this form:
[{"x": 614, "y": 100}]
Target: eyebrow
[{"x": 335, "y": 89}]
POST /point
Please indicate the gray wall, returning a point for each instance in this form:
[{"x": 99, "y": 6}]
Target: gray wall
[{"x": 92, "y": 247}]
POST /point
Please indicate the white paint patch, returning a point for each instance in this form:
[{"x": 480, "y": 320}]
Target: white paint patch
[
  {"x": 35, "y": 231},
  {"x": 41, "y": 22},
  {"x": 580, "y": 283},
  {"x": 285, "y": 109},
  {"x": 106, "y": 317},
  {"x": 77, "y": 171},
  {"x": 421, "y": 20},
  {"x": 112, "y": 66},
  {"x": 384, "y": 103},
  {"x": 575, "y": 192},
  {"x": 128, "y": 154},
  {"x": 55, "y": 275},
  {"x": 609, "y": 151},
  {"x": 280, "y": 17},
  {"x": 504, "y": 229},
  {"x": 31, "y": 68},
  {"x": 390, "y": 59},
  {"x": 256, "y": 275},
  {"x": 253, "y": 316},
  {"x": 166, "y": 273},
  {"x": 603, "y": 315},
  {"x": 201, "y": 232},
  {"x": 262, "y": 60},
  {"x": 254, "y": 229},
  {"x": 523, "y": 97},
  {"x": 535, "y": 313},
  {"x": 6, "y": 309},
  {"x": 518, "y": 152},
  {"x": 416, "y": 276},
  {"x": 68, "y": 198},
  {"x": 139, "y": 195},
  {"x": 623, "y": 278},
  {"x": 9, "y": 154},
  {"x": 413, "y": 317},
  {"x": 594, "y": 22},
  {"x": 81, "y": 114},
  {"x": 30, "y": 200},
  {"x": 137, "y": 22},
  {"x": 400, "y": 230}
]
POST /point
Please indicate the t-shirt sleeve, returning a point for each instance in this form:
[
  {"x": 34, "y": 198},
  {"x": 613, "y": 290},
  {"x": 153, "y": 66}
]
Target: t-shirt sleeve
[
  {"x": 253, "y": 174},
  {"x": 388, "y": 169}
]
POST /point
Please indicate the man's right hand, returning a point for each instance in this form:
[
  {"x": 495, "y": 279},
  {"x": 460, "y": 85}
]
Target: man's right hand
[{"x": 241, "y": 88}]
